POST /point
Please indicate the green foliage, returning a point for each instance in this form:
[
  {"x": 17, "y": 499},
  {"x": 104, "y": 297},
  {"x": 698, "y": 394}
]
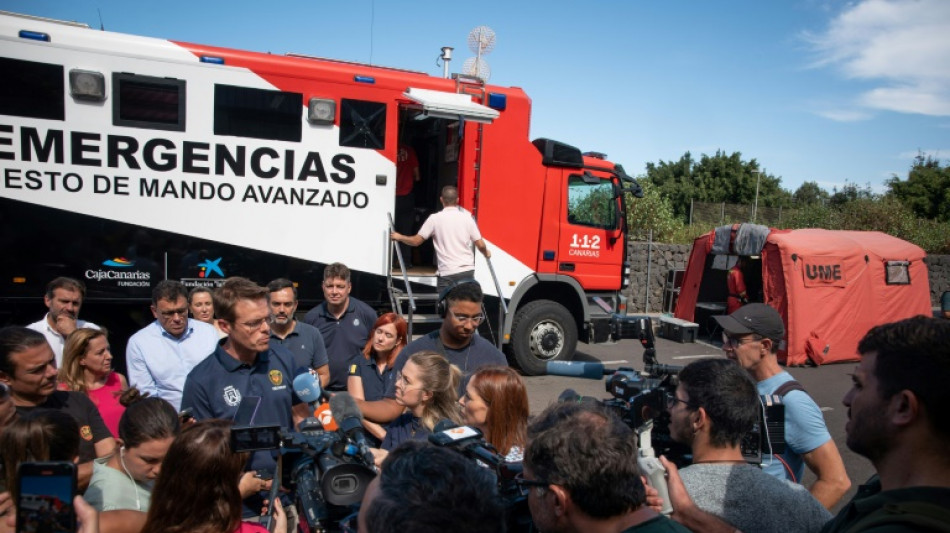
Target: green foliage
[
  {"x": 810, "y": 193},
  {"x": 652, "y": 212},
  {"x": 927, "y": 188},
  {"x": 717, "y": 178}
]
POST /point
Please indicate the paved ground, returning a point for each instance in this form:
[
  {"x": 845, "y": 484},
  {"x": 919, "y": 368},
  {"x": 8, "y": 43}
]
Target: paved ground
[{"x": 827, "y": 384}]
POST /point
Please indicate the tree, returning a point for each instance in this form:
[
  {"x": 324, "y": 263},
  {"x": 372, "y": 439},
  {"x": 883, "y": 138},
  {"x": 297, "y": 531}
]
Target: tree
[
  {"x": 810, "y": 193},
  {"x": 717, "y": 178},
  {"x": 927, "y": 189}
]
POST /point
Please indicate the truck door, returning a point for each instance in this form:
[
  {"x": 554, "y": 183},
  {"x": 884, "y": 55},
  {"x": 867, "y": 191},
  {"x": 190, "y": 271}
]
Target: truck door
[{"x": 590, "y": 246}]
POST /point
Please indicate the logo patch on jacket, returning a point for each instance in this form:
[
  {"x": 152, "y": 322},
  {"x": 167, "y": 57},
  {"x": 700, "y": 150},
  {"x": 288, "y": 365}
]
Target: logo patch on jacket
[{"x": 275, "y": 377}]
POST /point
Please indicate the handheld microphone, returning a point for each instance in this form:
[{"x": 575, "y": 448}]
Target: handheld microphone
[
  {"x": 444, "y": 425},
  {"x": 467, "y": 440},
  {"x": 307, "y": 388},
  {"x": 576, "y": 369},
  {"x": 350, "y": 420}
]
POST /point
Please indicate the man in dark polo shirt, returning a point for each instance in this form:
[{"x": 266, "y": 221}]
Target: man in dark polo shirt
[
  {"x": 344, "y": 322},
  {"x": 245, "y": 365},
  {"x": 302, "y": 340},
  {"x": 28, "y": 368},
  {"x": 456, "y": 339}
]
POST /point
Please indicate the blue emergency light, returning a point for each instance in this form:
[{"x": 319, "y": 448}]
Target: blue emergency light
[
  {"x": 364, "y": 79},
  {"x": 214, "y": 60},
  {"x": 35, "y": 35}
]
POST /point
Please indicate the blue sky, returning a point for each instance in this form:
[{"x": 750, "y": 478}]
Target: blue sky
[{"x": 814, "y": 90}]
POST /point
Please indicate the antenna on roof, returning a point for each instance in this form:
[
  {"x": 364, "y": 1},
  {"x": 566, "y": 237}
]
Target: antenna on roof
[
  {"x": 481, "y": 41},
  {"x": 102, "y": 26}
]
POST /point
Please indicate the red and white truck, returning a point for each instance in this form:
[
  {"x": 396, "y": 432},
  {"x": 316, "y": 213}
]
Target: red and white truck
[{"x": 127, "y": 160}]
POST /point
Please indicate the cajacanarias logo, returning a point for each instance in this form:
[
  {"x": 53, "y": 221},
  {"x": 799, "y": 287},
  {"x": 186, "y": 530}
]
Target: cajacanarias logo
[
  {"x": 209, "y": 267},
  {"x": 119, "y": 262}
]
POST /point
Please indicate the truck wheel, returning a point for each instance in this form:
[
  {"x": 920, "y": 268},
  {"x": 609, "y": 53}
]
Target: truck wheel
[{"x": 542, "y": 331}]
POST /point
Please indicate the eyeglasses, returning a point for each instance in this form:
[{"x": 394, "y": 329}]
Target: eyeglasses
[
  {"x": 255, "y": 324},
  {"x": 729, "y": 341},
  {"x": 671, "y": 400},
  {"x": 523, "y": 483},
  {"x": 477, "y": 319},
  {"x": 400, "y": 377},
  {"x": 172, "y": 313}
]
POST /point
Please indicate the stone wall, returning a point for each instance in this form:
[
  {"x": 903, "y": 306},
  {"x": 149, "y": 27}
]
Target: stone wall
[
  {"x": 938, "y": 270},
  {"x": 645, "y": 294}
]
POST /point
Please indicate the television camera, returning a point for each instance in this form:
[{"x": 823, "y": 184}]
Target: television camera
[
  {"x": 641, "y": 400},
  {"x": 327, "y": 471}
]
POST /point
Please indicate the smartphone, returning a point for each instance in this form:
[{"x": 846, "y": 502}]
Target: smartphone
[{"x": 45, "y": 493}]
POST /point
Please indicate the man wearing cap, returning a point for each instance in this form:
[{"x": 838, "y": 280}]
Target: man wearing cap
[{"x": 751, "y": 336}]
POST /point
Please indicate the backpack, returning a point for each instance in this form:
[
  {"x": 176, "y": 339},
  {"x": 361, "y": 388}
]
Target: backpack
[{"x": 919, "y": 516}]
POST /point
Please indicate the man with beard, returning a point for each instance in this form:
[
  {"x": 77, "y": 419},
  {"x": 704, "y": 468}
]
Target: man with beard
[
  {"x": 898, "y": 417},
  {"x": 161, "y": 354},
  {"x": 63, "y": 299},
  {"x": 715, "y": 404},
  {"x": 28, "y": 369},
  {"x": 456, "y": 339},
  {"x": 302, "y": 340}
]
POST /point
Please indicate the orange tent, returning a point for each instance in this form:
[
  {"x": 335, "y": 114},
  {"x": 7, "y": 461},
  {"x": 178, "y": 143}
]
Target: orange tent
[{"x": 830, "y": 287}]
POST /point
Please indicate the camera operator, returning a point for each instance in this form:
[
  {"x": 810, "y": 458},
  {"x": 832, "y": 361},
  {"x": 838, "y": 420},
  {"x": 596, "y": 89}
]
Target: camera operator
[
  {"x": 714, "y": 405},
  {"x": 428, "y": 489},
  {"x": 580, "y": 470},
  {"x": 751, "y": 337}
]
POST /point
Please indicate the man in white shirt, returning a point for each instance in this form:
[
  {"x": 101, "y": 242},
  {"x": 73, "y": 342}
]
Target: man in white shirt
[
  {"x": 63, "y": 298},
  {"x": 453, "y": 232},
  {"x": 161, "y": 354}
]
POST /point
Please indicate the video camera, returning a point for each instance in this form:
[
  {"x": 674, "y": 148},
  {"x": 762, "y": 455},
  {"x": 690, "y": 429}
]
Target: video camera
[
  {"x": 641, "y": 400},
  {"x": 327, "y": 471},
  {"x": 469, "y": 442}
]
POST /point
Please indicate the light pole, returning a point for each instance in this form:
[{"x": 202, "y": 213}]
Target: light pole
[{"x": 755, "y": 206}]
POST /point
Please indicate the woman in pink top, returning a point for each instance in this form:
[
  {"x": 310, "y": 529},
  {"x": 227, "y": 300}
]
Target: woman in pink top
[{"x": 87, "y": 367}]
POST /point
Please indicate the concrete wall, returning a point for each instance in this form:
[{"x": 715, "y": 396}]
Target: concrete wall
[{"x": 666, "y": 257}]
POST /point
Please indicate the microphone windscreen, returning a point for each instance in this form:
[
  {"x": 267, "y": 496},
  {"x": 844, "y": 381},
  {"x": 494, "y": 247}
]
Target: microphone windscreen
[
  {"x": 307, "y": 387},
  {"x": 344, "y": 407},
  {"x": 576, "y": 369},
  {"x": 569, "y": 395},
  {"x": 443, "y": 425}
]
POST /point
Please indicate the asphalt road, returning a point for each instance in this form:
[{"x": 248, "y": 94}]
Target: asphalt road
[{"x": 826, "y": 384}]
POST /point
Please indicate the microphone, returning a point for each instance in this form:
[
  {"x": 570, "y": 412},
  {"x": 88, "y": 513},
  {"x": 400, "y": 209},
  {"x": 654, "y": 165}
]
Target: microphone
[
  {"x": 350, "y": 420},
  {"x": 576, "y": 369},
  {"x": 443, "y": 425},
  {"x": 307, "y": 388},
  {"x": 467, "y": 440}
]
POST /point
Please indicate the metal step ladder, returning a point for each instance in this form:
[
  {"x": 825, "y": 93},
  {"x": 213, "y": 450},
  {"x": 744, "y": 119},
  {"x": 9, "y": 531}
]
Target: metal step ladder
[{"x": 407, "y": 303}]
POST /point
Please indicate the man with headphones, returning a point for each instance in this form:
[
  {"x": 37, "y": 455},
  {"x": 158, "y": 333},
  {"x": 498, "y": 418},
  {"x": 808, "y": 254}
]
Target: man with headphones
[
  {"x": 460, "y": 306},
  {"x": 453, "y": 231}
]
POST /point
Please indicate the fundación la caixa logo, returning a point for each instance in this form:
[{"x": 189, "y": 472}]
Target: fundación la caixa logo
[
  {"x": 120, "y": 272},
  {"x": 210, "y": 274}
]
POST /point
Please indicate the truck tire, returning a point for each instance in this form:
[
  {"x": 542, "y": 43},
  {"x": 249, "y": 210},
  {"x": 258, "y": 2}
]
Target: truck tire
[{"x": 542, "y": 331}]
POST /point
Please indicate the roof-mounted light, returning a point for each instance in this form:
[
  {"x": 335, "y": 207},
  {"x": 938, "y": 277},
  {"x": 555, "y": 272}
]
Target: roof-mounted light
[
  {"x": 214, "y": 60},
  {"x": 35, "y": 35},
  {"x": 364, "y": 79}
]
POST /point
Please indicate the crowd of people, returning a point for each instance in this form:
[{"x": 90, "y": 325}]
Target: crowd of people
[{"x": 153, "y": 453}]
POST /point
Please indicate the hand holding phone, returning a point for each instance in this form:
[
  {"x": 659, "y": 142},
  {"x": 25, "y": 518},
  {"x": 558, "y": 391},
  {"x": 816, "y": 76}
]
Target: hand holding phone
[{"x": 45, "y": 493}]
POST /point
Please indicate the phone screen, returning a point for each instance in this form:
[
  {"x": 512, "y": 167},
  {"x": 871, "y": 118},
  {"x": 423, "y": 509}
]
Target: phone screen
[{"x": 45, "y": 498}]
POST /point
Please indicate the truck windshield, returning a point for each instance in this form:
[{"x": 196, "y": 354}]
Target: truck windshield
[{"x": 591, "y": 204}]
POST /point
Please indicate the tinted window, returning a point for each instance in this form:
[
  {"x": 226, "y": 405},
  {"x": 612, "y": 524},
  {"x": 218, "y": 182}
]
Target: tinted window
[
  {"x": 148, "y": 102},
  {"x": 32, "y": 90},
  {"x": 362, "y": 124},
  {"x": 257, "y": 113}
]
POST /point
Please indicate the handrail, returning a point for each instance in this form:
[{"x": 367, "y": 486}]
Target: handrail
[
  {"x": 405, "y": 277},
  {"x": 502, "y": 307}
]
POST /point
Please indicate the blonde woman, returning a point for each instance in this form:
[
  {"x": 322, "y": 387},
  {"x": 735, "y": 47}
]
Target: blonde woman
[{"x": 87, "y": 368}]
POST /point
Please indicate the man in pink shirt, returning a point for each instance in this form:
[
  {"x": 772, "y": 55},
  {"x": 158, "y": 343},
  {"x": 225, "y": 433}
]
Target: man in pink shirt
[{"x": 453, "y": 231}]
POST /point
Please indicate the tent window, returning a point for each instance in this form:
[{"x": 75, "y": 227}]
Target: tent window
[{"x": 897, "y": 272}]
